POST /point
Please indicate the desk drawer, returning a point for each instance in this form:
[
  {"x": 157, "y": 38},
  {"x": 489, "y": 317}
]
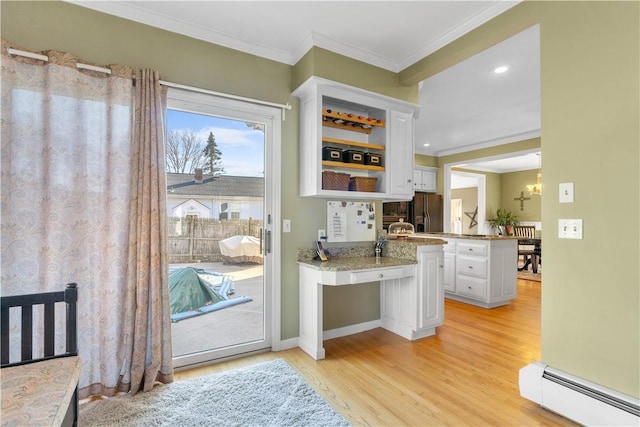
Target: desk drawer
[
  {"x": 378, "y": 274},
  {"x": 472, "y": 249},
  {"x": 473, "y": 266}
]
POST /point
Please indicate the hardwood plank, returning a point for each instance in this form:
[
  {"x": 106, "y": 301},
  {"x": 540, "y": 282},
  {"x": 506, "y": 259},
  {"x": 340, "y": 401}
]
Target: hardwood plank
[{"x": 465, "y": 375}]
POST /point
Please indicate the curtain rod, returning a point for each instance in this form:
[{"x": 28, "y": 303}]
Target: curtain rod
[
  {"x": 282, "y": 107},
  {"x": 45, "y": 58}
]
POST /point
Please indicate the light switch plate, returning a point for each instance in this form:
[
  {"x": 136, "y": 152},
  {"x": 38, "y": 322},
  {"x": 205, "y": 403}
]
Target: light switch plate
[
  {"x": 286, "y": 226},
  {"x": 566, "y": 192},
  {"x": 570, "y": 228}
]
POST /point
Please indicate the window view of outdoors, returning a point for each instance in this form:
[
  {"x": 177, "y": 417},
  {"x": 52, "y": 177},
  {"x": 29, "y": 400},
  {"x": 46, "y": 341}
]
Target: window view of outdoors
[{"x": 215, "y": 199}]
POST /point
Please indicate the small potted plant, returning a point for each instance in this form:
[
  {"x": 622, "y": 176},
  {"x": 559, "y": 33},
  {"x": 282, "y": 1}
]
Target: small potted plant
[{"x": 504, "y": 222}]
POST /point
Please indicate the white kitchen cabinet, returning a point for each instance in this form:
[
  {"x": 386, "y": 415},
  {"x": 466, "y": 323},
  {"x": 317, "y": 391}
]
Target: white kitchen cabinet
[
  {"x": 399, "y": 160},
  {"x": 430, "y": 289},
  {"x": 366, "y": 135},
  {"x": 484, "y": 272},
  {"x": 425, "y": 179},
  {"x": 449, "y": 272},
  {"x": 413, "y": 307}
]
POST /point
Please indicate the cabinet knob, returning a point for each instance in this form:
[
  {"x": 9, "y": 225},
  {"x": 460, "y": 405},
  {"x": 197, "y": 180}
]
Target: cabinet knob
[
  {"x": 381, "y": 275},
  {"x": 470, "y": 267},
  {"x": 469, "y": 287},
  {"x": 441, "y": 266}
]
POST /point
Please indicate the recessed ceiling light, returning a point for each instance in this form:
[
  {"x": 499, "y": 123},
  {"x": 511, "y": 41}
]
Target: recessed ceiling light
[
  {"x": 501, "y": 69},
  {"x": 427, "y": 144}
]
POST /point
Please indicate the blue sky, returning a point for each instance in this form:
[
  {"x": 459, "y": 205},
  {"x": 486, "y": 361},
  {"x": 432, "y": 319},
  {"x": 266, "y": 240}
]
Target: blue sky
[{"x": 242, "y": 146}]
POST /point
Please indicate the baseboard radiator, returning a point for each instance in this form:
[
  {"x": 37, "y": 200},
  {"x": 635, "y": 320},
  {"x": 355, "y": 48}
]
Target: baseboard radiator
[{"x": 579, "y": 400}]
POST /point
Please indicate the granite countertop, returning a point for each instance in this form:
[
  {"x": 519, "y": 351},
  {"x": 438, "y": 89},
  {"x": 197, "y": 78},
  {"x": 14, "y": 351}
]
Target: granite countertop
[
  {"x": 356, "y": 263},
  {"x": 419, "y": 236},
  {"x": 395, "y": 253}
]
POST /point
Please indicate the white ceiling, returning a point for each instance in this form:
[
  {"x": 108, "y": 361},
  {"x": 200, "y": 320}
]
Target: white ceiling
[
  {"x": 468, "y": 106},
  {"x": 463, "y": 108}
]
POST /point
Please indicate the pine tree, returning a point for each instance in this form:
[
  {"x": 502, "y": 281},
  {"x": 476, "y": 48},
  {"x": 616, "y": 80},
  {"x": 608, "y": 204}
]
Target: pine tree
[{"x": 213, "y": 155}]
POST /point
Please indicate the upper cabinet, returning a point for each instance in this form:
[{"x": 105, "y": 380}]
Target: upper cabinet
[
  {"x": 425, "y": 179},
  {"x": 354, "y": 144}
]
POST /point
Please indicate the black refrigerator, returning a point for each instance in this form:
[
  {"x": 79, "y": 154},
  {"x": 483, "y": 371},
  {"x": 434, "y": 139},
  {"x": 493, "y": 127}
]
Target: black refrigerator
[{"x": 426, "y": 212}]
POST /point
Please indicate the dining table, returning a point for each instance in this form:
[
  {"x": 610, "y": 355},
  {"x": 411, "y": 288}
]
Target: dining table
[{"x": 537, "y": 253}]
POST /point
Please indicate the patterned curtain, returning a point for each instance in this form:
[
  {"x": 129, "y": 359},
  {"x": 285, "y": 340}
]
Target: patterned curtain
[
  {"x": 148, "y": 318},
  {"x": 83, "y": 200}
]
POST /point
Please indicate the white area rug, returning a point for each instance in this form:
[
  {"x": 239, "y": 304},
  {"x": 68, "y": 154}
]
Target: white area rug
[{"x": 268, "y": 394}]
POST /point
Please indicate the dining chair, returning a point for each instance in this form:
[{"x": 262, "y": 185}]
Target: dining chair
[{"x": 525, "y": 232}]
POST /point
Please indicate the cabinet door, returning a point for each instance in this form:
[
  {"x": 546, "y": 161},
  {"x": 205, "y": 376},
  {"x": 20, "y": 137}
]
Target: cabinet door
[
  {"x": 449, "y": 272},
  {"x": 399, "y": 154},
  {"x": 429, "y": 180},
  {"x": 430, "y": 289},
  {"x": 417, "y": 180},
  {"x": 396, "y": 303}
]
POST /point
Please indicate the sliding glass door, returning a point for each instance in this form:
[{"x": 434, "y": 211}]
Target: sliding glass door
[{"x": 220, "y": 219}]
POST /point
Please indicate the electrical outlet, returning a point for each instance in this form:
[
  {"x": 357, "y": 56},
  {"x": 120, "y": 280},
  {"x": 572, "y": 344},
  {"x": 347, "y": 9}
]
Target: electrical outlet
[
  {"x": 570, "y": 228},
  {"x": 322, "y": 235}
]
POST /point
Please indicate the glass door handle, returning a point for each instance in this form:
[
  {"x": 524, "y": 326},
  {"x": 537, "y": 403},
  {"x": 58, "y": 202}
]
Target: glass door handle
[{"x": 267, "y": 242}]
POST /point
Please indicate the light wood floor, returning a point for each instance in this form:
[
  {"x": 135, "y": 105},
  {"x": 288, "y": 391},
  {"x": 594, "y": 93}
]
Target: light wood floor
[{"x": 467, "y": 375}]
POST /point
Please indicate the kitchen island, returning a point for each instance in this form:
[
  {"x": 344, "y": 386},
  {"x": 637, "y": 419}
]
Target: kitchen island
[
  {"x": 478, "y": 269},
  {"x": 411, "y": 289}
]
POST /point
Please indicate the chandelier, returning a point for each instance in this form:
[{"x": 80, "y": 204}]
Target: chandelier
[{"x": 537, "y": 187}]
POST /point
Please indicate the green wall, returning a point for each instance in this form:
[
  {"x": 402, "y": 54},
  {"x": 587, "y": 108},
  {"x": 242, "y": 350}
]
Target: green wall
[
  {"x": 424, "y": 160},
  {"x": 332, "y": 66},
  {"x": 590, "y": 122},
  {"x": 514, "y": 183}
]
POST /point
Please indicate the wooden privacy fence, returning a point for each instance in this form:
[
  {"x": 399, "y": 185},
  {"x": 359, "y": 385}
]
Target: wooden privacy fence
[{"x": 196, "y": 239}]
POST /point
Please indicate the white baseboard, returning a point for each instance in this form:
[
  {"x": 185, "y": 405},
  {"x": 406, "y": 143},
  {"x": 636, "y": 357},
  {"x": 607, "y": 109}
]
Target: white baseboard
[
  {"x": 330, "y": 334},
  {"x": 286, "y": 344},
  {"x": 351, "y": 329}
]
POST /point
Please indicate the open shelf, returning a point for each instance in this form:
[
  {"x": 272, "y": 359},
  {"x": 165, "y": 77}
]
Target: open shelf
[
  {"x": 353, "y": 118},
  {"x": 352, "y": 143},
  {"x": 342, "y": 165},
  {"x": 345, "y": 126}
]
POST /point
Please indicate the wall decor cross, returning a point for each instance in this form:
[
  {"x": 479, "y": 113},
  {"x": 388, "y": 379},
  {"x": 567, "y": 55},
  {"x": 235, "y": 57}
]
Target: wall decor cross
[{"x": 522, "y": 199}]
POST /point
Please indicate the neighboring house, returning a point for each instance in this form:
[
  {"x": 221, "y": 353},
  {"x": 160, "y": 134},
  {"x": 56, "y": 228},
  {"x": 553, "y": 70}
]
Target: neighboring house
[{"x": 214, "y": 197}]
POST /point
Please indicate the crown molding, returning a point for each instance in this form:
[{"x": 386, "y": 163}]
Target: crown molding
[
  {"x": 353, "y": 52},
  {"x": 132, "y": 12},
  {"x": 482, "y": 144},
  {"x": 484, "y": 15},
  {"x": 169, "y": 23}
]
